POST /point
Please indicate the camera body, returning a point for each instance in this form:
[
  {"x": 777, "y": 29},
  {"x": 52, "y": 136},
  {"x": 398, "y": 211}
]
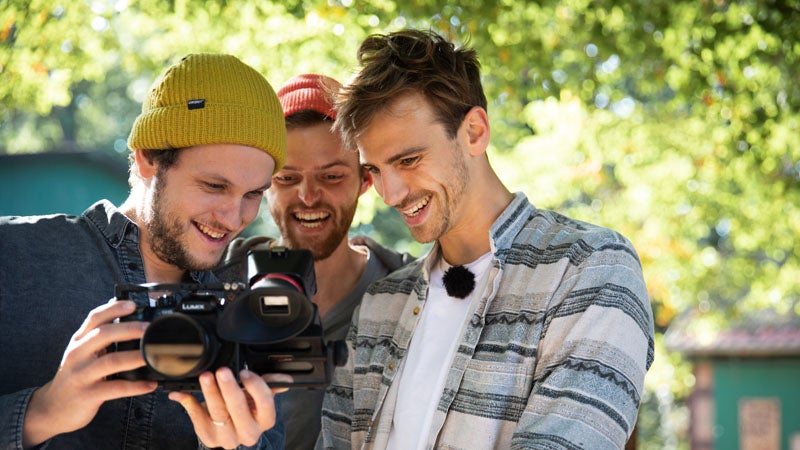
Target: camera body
[{"x": 266, "y": 324}]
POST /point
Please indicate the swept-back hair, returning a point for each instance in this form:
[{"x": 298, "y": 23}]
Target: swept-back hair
[{"x": 406, "y": 62}]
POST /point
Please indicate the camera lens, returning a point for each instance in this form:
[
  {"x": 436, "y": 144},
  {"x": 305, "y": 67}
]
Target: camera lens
[{"x": 177, "y": 346}]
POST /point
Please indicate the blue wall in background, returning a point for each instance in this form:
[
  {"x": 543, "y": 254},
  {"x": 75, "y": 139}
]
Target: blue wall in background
[{"x": 47, "y": 183}]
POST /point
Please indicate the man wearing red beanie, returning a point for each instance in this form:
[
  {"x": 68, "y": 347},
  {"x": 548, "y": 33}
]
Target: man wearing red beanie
[{"x": 313, "y": 199}]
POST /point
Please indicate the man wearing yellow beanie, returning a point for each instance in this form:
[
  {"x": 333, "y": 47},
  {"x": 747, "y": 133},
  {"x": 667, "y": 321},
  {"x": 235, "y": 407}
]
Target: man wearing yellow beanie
[{"x": 209, "y": 137}]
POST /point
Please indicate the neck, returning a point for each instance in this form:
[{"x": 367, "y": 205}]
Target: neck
[
  {"x": 338, "y": 274},
  {"x": 468, "y": 239},
  {"x": 155, "y": 269}
]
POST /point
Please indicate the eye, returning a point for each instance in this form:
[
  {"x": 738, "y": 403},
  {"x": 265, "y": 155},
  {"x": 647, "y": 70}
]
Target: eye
[
  {"x": 284, "y": 179},
  {"x": 410, "y": 161},
  {"x": 332, "y": 176},
  {"x": 257, "y": 194},
  {"x": 371, "y": 169},
  {"x": 215, "y": 186}
]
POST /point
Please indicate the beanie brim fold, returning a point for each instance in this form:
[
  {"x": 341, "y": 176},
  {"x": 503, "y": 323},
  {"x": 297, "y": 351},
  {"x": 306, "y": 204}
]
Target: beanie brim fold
[{"x": 174, "y": 127}]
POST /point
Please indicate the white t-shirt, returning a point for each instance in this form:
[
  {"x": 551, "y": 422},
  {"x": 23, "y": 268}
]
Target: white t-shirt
[{"x": 430, "y": 353}]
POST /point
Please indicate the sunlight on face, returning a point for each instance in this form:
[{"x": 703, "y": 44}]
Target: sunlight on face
[
  {"x": 416, "y": 167},
  {"x": 203, "y": 201},
  {"x": 313, "y": 198}
]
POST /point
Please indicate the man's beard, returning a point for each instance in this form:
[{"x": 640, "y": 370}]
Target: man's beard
[
  {"x": 165, "y": 232},
  {"x": 323, "y": 249}
]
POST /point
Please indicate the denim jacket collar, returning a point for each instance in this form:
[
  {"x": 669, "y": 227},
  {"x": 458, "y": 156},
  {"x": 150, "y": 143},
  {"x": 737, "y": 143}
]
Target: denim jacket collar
[{"x": 116, "y": 228}]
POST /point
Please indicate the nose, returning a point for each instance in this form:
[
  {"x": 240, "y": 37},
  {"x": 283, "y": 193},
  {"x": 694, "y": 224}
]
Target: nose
[
  {"x": 232, "y": 213},
  {"x": 391, "y": 187},
  {"x": 308, "y": 191}
]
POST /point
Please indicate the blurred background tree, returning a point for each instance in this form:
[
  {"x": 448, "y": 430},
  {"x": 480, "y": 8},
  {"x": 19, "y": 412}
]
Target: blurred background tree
[{"x": 674, "y": 122}]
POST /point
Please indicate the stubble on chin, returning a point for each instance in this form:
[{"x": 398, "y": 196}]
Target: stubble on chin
[
  {"x": 320, "y": 248},
  {"x": 168, "y": 243}
]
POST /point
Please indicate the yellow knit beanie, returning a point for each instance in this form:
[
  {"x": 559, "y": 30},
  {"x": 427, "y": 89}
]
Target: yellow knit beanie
[{"x": 211, "y": 98}]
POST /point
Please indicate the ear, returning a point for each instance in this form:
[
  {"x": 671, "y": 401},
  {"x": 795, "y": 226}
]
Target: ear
[
  {"x": 146, "y": 166},
  {"x": 476, "y": 126},
  {"x": 366, "y": 181}
]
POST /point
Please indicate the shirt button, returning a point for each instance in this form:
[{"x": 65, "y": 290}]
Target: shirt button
[{"x": 416, "y": 310}]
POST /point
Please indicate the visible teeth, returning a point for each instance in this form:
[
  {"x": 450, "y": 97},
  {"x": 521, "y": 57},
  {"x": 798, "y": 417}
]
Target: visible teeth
[
  {"x": 311, "y": 219},
  {"x": 209, "y": 232},
  {"x": 414, "y": 210},
  {"x": 311, "y": 216}
]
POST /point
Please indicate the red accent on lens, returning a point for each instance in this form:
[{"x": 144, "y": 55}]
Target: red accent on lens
[{"x": 286, "y": 278}]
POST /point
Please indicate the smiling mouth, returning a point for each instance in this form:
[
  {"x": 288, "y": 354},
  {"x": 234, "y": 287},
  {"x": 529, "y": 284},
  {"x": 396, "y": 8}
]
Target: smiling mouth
[
  {"x": 416, "y": 208},
  {"x": 210, "y": 232},
  {"x": 311, "y": 220}
]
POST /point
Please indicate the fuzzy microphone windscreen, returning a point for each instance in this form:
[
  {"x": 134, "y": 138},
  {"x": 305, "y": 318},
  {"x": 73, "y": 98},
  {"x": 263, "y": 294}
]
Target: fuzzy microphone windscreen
[{"x": 458, "y": 281}]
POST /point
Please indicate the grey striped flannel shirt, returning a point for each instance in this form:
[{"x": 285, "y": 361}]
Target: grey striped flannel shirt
[{"x": 553, "y": 354}]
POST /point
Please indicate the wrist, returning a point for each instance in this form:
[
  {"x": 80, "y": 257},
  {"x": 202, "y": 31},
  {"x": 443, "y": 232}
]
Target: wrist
[{"x": 36, "y": 428}]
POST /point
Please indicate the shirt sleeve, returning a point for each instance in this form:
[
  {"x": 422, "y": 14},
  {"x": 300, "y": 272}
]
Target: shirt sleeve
[
  {"x": 337, "y": 406},
  {"x": 596, "y": 347},
  {"x": 12, "y": 417}
]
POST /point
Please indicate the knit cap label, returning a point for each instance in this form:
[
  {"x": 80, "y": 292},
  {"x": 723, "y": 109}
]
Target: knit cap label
[{"x": 197, "y": 104}]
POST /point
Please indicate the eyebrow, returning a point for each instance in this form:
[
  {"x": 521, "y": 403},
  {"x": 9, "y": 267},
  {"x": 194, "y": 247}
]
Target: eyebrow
[
  {"x": 404, "y": 154},
  {"x": 223, "y": 180},
  {"x": 336, "y": 163}
]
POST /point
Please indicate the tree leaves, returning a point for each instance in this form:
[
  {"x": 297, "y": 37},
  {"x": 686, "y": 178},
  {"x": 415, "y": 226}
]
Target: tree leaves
[{"x": 674, "y": 122}]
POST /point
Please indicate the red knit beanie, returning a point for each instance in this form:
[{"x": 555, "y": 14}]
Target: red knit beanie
[{"x": 308, "y": 92}]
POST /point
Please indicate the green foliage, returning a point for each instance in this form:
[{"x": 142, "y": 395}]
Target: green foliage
[{"x": 673, "y": 122}]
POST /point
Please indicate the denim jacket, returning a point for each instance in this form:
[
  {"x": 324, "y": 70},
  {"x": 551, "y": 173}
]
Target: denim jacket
[{"x": 53, "y": 270}]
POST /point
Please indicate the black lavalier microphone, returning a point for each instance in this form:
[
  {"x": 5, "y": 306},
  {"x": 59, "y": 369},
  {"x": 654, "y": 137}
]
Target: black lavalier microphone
[{"x": 458, "y": 281}]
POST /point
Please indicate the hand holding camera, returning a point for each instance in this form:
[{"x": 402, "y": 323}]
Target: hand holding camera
[
  {"x": 267, "y": 325},
  {"x": 81, "y": 385}
]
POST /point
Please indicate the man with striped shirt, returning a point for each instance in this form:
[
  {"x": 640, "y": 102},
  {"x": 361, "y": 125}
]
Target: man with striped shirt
[{"x": 521, "y": 328}]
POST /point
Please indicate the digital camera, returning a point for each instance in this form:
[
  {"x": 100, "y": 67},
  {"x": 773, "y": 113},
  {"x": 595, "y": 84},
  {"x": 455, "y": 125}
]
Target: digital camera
[{"x": 266, "y": 324}]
